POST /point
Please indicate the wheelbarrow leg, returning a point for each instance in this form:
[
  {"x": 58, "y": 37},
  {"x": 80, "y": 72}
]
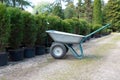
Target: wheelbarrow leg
[
  {"x": 81, "y": 50},
  {"x": 74, "y": 52}
]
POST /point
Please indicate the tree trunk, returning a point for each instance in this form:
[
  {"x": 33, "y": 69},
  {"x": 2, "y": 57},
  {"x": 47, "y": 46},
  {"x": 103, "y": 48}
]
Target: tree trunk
[
  {"x": 14, "y": 3},
  {"x": 1, "y": 1}
]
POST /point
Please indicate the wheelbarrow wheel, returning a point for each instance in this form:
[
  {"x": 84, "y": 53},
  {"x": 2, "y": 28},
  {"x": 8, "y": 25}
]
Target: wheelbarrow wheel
[{"x": 58, "y": 50}]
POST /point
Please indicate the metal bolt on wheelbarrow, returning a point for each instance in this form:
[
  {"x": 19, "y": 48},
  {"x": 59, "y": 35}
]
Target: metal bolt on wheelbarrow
[{"x": 64, "y": 41}]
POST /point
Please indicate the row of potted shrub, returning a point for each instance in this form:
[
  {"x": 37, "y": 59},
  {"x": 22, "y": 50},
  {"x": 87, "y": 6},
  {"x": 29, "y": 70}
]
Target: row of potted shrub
[
  {"x": 21, "y": 32},
  {"x": 4, "y": 34},
  {"x": 18, "y": 34},
  {"x": 20, "y": 54}
]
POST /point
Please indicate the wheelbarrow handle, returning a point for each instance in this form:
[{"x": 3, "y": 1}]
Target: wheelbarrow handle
[{"x": 103, "y": 27}]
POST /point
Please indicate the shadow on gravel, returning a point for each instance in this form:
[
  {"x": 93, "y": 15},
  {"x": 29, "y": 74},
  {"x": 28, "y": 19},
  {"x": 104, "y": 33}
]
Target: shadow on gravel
[
  {"x": 93, "y": 57},
  {"x": 86, "y": 57}
]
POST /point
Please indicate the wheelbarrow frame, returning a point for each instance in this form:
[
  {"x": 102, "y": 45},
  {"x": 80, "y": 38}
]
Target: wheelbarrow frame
[{"x": 69, "y": 45}]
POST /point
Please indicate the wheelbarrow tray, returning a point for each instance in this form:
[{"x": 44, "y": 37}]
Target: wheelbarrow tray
[{"x": 64, "y": 37}]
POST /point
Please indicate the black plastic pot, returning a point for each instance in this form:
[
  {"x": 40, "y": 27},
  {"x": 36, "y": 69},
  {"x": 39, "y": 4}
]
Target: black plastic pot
[
  {"x": 8, "y": 48},
  {"x": 47, "y": 50},
  {"x": 16, "y": 55},
  {"x": 3, "y": 58},
  {"x": 40, "y": 50},
  {"x": 48, "y": 44},
  {"x": 29, "y": 52}
]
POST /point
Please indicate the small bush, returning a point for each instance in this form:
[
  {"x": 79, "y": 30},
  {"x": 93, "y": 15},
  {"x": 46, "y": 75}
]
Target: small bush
[{"x": 4, "y": 27}]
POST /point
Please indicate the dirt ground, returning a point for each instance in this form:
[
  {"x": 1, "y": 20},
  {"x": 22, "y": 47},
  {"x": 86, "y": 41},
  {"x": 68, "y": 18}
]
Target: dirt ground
[{"x": 100, "y": 62}]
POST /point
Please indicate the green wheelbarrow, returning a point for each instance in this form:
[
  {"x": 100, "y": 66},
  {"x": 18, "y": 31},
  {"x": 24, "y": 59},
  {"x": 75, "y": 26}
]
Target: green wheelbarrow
[{"x": 63, "y": 42}]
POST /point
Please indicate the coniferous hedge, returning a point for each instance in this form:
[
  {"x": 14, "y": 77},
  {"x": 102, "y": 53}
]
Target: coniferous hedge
[
  {"x": 16, "y": 21},
  {"x": 54, "y": 23},
  {"x": 97, "y": 13},
  {"x": 66, "y": 26},
  {"x": 112, "y": 13},
  {"x": 29, "y": 30},
  {"x": 42, "y": 26},
  {"x": 4, "y": 27},
  {"x": 77, "y": 26}
]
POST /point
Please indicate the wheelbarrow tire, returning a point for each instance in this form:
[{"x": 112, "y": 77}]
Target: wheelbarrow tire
[{"x": 58, "y": 50}]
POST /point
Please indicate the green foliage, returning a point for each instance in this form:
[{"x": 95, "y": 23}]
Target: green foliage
[
  {"x": 43, "y": 8},
  {"x": 80, "y": 8},
  {"x": 97, "y": 13},
  {"x": 102, "y": 32},
  {"x": 41, "y": 24},
  {"x": 4, "y": 27},
  {"x": 85, "y": 27},
  {"x": 96, "y": 26},
  {"x": 66, "y": 26},
  {"x": 23, "y": 3},
  {"x": 71, "y": 25},
  {"x": 17, "y": 3},
  {"x": 112, "y": 13},
  {"x": 88, "y": 10},
  {"x": 16, "y": 22},
  {"x": 54, "y": 23},
  {"x": 70, "y": 11},
  {"x": 57, "y": 10},
  {"x": 30, "y": 29},
  {"x": 76, "y": 26}
]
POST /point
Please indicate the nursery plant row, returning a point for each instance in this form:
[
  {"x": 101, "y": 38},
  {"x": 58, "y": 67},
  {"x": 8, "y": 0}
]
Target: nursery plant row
[{"x": 22, "y": 34}]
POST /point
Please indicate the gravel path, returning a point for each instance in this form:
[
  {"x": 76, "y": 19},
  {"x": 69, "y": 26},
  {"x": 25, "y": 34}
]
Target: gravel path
[{"x": 101, "y": 62}]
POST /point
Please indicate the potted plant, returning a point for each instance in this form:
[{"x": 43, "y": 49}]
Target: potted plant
[
  {"x": 4, "y": 34},
  {"x": 16, "y": 34},
  {"x": 29, "y": 34},
  {"x": 39, "y": 43}
]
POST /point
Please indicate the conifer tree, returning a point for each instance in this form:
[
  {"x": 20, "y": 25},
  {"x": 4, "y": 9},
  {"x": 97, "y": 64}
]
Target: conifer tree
[
  {"x": 97, "y": 12},
  {"x": 57, "y": 10},
  {"x": 113, "y": 14},
  {"x": 88, "y": 10}
]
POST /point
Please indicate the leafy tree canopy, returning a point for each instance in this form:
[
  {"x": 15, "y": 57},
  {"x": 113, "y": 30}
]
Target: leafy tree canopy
[{"x": 43, "y": 7}]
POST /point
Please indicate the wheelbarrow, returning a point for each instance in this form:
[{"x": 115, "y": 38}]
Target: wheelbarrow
[{"x": 63, "y": 42}]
